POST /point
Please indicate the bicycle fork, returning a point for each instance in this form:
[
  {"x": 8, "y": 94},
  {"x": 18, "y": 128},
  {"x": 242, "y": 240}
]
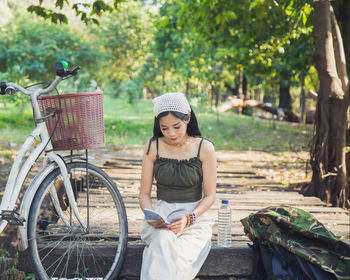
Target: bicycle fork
[{"x": 69, "y": 191}]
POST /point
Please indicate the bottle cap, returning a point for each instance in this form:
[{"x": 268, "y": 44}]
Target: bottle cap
[{"x": 224, "y": 201}]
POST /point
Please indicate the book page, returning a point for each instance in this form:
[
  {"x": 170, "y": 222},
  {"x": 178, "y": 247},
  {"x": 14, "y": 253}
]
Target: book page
[
  {"x": 177, "y": 215},
  {"x": 151, "y": 215}
]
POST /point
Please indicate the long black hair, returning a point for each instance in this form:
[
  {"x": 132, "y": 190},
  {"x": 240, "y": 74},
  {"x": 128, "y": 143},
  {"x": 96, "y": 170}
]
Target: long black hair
[{"x": 192, "y": 127}]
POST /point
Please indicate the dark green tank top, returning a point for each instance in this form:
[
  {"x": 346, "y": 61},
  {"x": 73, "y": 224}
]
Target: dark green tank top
[{"x": 178, "y": 180}]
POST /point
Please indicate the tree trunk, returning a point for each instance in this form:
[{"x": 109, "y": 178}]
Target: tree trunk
[
  {"x": 212, "y": 93},
  {"x": 245, "y": 95},
  {"x": 244, "y": 86},
  {"x": 329, "y": 178},
  {"x": 285, "y": 101},
  {"x": 240, "y": 86},
  {"x": 216, "y": 95},
  {"x": 240, "y": 90},
  {"x": 302, "y": 99},
  {"x": 187, "y": 91},
  {"x": 153, "y": 93}
]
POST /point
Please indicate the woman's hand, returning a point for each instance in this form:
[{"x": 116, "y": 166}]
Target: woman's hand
[
  {"x": 178, "y": 225},
  {"x": 158, "y": 224}
]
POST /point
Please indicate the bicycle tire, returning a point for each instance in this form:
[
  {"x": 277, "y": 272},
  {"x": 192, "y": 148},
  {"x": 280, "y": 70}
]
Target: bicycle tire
[{"x": 58, "y": 251}]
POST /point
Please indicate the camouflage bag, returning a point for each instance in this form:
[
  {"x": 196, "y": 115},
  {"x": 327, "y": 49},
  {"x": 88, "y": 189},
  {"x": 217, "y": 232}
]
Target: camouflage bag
[
  {"x": 301, "y": 234},
  {"x": 273, "y": 262}
]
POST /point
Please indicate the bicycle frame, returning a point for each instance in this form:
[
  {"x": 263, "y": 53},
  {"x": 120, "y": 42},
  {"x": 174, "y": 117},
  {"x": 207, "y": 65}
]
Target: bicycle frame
[{"x": 21, "y": 168}]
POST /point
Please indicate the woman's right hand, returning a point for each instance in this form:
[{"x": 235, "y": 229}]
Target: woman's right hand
[{"x": 158, "y": 224}]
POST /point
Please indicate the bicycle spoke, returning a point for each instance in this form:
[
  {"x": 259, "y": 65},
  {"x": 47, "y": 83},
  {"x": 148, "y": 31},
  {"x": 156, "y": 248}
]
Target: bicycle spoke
[
  {"x": 96, "y": 264},
  {"x": 65, "y": 267},
  {"x": 52, "y": 248},
  {"x": 60, "y": 259}
]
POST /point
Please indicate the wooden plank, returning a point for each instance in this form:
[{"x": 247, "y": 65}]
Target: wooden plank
[
  {"x": 240, "y": 188},
  {"x": 247, "y": 181},
  {"x": 316, "y": 209},
  {"x": 239, "y": 176},
  {"x": 123, "y": 169},
  {"x": 221, "y": 173},
  {"x": 272, "y": 194},
  {"x": 258, "y": 202},
  {"x": 255, "y": 196}
]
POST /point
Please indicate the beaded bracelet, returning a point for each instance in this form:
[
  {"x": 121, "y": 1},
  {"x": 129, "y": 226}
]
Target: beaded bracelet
[
  {"x": 191, "y": 219},
  {"x": 194, "y": 217},
  {"x": 188, "y": 223}
]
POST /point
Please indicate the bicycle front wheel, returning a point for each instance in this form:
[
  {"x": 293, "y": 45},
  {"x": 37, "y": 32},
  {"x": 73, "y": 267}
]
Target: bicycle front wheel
[{"x": 59, "y": 247}]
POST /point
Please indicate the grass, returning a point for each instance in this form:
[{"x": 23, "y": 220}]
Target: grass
[
  {"x": 239, "y": 132},
  {"x": 127, "y": 124}
]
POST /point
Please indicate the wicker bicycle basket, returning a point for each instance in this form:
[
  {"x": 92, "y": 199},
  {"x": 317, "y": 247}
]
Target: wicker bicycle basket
[{"x": 81, "y": 123}]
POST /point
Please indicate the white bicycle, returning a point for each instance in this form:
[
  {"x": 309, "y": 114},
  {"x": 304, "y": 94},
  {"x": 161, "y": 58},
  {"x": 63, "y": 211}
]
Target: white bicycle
[{"x": 72, "y": 217}]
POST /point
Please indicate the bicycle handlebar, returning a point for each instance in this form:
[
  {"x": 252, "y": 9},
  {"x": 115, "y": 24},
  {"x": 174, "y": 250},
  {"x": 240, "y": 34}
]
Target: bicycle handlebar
[
  {"x": 10, "y": 88},
  {"x": 61, "y": 71}
]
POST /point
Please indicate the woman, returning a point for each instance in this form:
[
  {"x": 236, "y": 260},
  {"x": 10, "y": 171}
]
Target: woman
[{"x": 184, "y": 167}]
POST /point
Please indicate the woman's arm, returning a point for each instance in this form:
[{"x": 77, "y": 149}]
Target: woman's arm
[
  {"x": 146, "y": 178},
  {"x": 146, "y": 183},
  {"x": 209, "y": 164}
]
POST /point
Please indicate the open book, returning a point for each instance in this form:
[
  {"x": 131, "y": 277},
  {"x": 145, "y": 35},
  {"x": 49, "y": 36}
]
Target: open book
[{"x": 151, "y": 215}]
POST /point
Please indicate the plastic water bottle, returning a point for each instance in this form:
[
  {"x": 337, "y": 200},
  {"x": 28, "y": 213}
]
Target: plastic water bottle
[{"x": 224, "y": 224}]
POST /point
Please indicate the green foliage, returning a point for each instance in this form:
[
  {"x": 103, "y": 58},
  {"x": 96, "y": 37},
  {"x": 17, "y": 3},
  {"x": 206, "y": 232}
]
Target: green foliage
[
  {"x": 13, "y": 269},
  {"x": 126, "y": 124},
  {"x": 124, "y": 37},
  {"x": 268, "y": 38},
  {"x": 199, "y": 48},
  {"x": 30, "y": 276},
  {"x": 82, "y": 273},
  {"x": 83, "y": 82},
  {"x": 31, "y": 48},
  {"x": 3, "y": 254},
  {"x": 46, "y": 13},
  {"x": 87, "y": 10},
  {"x": 132, "y": 89},
  {"x": 180, "y": 59},
  {"x": 15, "y": 127},
  {"x": 14, "y": 74}
]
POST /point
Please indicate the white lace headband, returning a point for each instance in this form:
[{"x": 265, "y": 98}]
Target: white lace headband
[{"x": 172, "y": 101}]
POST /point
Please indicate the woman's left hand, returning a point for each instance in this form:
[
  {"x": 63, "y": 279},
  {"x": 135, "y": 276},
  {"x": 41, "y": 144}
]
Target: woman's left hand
[{"x": 178, "y": 225}]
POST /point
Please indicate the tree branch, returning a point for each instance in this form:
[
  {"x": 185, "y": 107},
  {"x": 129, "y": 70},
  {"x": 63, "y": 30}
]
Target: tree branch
[
  {"x": 313, "y": 94},
  {"x": 287, "y": 115}
]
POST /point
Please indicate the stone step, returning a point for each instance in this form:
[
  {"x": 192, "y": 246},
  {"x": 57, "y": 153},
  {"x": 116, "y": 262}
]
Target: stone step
[{"x": 221, "y": 263}]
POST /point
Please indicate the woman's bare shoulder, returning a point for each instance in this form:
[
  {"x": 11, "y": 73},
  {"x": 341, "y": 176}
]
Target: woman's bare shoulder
[
  {"x": 207, "y": 152},
  {"x": 150, "y": 149},
  {"x": 207, "y": 145}
]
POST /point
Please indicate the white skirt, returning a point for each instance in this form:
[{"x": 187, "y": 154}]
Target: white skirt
[{"x": 175, "y": 256}]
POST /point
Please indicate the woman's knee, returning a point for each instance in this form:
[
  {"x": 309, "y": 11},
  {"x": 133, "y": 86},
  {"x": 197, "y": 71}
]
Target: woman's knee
[{"x": 162, "y": 238}]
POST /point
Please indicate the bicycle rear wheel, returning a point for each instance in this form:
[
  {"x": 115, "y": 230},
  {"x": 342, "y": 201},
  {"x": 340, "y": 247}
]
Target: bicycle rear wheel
[{"x": 61, "y": 250}]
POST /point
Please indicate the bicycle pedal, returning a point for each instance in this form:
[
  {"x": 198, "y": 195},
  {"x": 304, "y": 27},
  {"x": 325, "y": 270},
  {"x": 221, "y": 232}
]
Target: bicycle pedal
[{"x": 12, "y": 217}]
